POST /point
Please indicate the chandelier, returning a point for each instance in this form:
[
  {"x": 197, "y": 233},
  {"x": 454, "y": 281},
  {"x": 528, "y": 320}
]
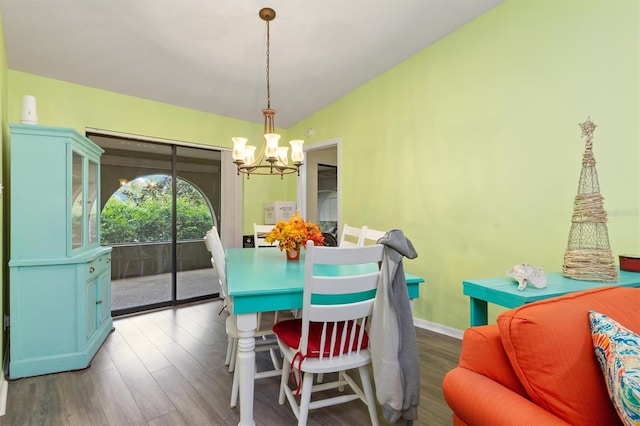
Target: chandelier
[{"x": 271, "y": 159}]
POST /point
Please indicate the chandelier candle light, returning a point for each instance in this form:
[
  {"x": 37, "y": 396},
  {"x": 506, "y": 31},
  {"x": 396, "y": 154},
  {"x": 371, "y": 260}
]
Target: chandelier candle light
[{"x": 272, "y": 159}]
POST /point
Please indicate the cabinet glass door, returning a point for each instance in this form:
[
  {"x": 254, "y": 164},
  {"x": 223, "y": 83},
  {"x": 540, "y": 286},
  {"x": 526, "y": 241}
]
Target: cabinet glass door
[
  {"x": 77, "y": 195},
  {"x": 92, "y": 205}
]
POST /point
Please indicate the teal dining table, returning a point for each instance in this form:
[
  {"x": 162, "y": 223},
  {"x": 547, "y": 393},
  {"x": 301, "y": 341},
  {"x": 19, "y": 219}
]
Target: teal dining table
[{"x": 262, "y": 280}]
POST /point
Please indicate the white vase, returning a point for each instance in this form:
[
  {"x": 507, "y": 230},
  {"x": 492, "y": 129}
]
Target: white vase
[{"x": 29, "y": 114}]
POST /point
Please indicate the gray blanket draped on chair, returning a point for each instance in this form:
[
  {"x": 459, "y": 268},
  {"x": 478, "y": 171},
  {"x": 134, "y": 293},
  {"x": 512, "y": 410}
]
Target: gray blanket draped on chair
[{"x": 394, "y": 350}]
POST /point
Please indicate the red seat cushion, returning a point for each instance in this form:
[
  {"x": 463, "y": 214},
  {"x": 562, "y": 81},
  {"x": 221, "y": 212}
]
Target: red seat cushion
[{"x": 289, "y": 332}]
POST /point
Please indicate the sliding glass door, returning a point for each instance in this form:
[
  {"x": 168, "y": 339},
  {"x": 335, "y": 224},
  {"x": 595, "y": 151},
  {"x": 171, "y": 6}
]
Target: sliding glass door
[
  {"x": 197, "y": 210},
  {"x": 158, "y": 201}
]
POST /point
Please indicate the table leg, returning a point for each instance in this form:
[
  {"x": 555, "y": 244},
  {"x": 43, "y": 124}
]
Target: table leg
[
  {"x": 478, "y": 312},
  {"x": 247, "y": 324}
]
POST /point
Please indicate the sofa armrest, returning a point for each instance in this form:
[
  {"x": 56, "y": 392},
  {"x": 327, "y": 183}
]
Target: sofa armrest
[
  {"x": 477, "y": 400},
  {"x": 482, "y": 352}
]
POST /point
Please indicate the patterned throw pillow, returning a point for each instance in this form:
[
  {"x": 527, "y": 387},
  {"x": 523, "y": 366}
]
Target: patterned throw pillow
[{"x": 618, "y": 352}]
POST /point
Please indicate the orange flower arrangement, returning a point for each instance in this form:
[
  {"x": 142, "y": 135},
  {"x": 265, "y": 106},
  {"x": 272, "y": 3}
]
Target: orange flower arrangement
[{"x": 294, "y": 233}]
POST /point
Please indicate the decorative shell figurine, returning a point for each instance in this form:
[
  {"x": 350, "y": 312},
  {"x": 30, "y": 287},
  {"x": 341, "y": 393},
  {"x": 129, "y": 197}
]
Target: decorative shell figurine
[{"x": 525, "y": 273}]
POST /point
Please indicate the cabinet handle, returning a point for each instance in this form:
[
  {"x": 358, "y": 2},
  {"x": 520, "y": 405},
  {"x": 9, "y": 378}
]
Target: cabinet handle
[
  {"x": 92, "y": 269},
  {"x": 98, "y": 302},
  {"x": 108, "y": 260}
]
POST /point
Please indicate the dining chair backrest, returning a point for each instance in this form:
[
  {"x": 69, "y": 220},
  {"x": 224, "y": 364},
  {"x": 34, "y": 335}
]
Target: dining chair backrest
[
  {"x": 351, "y": 236},
  {"x": 218, "y": 259},
  {"x": 206, "y": 240},
  {"x": 341, "y": 301},
  {"x": 258, "y": 236},
  {"x": 371, "y": 236}
]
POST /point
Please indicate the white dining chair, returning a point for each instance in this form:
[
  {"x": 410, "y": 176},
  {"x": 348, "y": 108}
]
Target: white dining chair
[
  {"x": 212, "y": 242},
  {"x": 265, "y": 339},
  {"x": 351, "y": 236},
  {"x": 371, "y": 236},
  {"x": 206, "y": 240},
  {"x": 331, "y": 336},
  {"x": 259, "y": 232}
]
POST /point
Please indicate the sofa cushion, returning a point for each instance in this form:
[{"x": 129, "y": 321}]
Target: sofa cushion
[
  {"x": 618, "y": 352},
  {"x": 550, "y": 348}
]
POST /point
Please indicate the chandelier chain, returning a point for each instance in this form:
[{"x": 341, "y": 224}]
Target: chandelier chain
[{"x": 268, "y": 84}]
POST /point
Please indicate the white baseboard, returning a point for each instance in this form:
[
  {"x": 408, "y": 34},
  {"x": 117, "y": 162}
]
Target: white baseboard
[
  {"x": 438, "y": 328},
  {"x": 4, "y": 391}
]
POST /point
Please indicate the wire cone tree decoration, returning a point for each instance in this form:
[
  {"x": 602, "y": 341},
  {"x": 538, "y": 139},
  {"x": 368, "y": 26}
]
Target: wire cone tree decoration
[{"x": 588, "y": 256}]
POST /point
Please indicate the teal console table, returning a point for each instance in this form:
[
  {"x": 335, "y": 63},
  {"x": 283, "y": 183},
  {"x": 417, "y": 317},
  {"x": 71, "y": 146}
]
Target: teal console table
[{"x": 504, "y": 291}]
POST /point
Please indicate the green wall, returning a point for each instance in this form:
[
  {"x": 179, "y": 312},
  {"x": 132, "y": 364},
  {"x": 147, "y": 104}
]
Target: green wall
[
  {"x": 64, "y": 104},
  {"x": 472, "y": 146}
]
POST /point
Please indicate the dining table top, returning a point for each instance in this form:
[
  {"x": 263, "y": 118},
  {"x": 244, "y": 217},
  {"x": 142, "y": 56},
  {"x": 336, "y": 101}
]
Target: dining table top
[{"x": 262, "y": 279}]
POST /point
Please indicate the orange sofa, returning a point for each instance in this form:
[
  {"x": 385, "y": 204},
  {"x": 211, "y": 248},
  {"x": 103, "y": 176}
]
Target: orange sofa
[{"x": 537, "y": 366}]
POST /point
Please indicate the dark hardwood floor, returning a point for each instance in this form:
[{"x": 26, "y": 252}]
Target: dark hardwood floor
[{"x": 167, "y": 368}]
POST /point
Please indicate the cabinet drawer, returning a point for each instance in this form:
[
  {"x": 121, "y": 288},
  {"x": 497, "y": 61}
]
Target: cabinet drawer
[{"x": 99, "y": 264}]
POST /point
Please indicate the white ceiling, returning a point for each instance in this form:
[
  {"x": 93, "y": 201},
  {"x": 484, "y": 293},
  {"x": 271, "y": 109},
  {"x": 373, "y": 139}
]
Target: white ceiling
[{"x": 209, "y": 55}]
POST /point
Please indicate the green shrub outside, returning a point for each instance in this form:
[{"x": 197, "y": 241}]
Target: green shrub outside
[{"x": 141, "y": 212}]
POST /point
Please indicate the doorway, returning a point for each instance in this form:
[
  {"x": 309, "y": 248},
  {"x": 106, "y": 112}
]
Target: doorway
[
  {"x": 319, "y": 185},
  {"x": 158, "y": 200},
  {"x": 328, "y": 199}
]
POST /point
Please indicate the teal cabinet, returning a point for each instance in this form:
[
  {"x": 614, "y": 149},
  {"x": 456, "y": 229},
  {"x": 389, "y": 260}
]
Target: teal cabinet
[
  {"x": 98, "y": 295},
  {"x": 59, "y": 275}
]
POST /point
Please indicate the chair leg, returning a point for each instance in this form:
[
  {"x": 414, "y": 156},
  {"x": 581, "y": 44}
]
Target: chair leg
[
  {"x": 274, "y": 359},
  {"x": 234, "y": 353},
  {"x": 368, "y": 393},
  {"x": 235, "y": 388},
  {"x": 305, "y": 398},
  {"x": 259, "y": 320},
  {"x": 227, "y": 358},
  {"x": 286, "y": 369}
]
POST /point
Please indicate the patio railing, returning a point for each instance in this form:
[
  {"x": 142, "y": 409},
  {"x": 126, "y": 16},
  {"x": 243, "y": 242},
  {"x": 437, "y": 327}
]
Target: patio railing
[{"x": 144, "y": 259}]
